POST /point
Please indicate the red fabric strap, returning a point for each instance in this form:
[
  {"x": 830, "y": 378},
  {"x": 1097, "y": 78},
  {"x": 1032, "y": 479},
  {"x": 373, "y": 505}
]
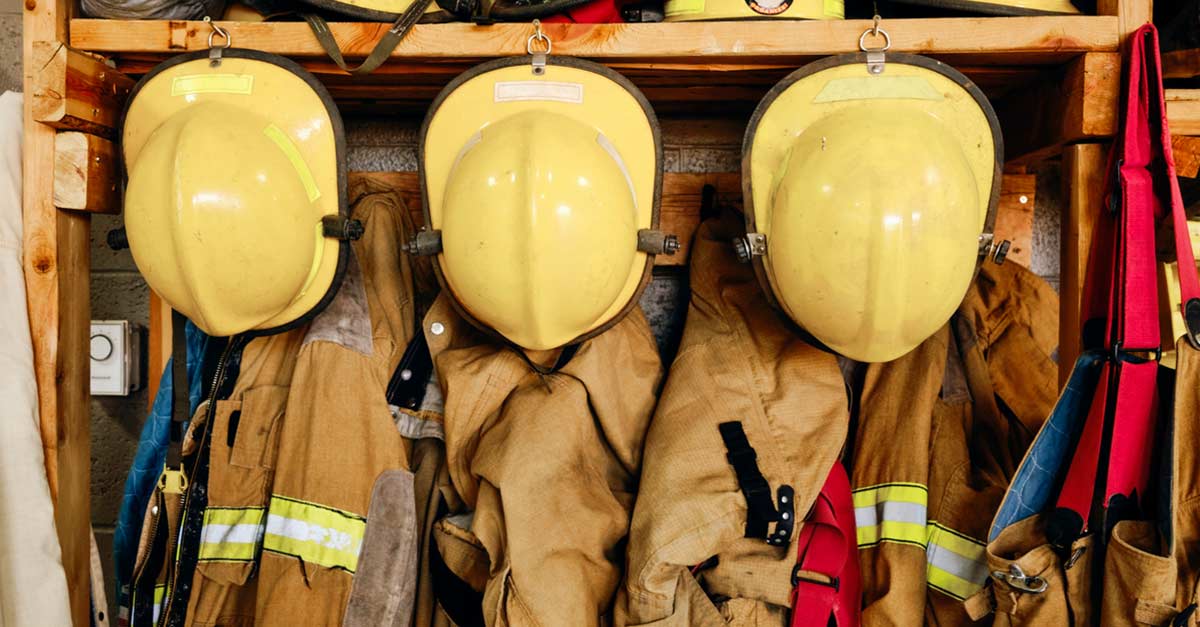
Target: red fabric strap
[
  {"x": 1124, "y": 260},
  {"x": 827, "y": 546}
]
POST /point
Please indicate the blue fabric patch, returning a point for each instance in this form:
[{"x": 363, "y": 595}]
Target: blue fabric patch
[
  {"x": 1030, "y": 491},
  {"x": 148, "y": 461}
]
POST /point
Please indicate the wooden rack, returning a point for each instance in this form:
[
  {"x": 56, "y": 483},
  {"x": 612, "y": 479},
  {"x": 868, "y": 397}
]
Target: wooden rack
[{"x": 1054, "y": 82}]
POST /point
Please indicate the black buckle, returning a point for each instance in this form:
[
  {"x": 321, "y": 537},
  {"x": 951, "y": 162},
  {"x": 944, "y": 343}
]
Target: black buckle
[
  {"x": 834, "y": 582},
  {"x": 1120, "y": 353},
  {"x": 341, "y": 227}
]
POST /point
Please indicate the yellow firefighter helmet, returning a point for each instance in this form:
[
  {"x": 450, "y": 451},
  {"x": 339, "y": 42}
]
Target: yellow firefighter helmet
[
  {"x": 1003, "y": 7},
  {"x": 868, "y": 196},
  {"x": 701, "y": 10},
  {"x": 541, "y": 198},
  {"x": 235, "y": 202}
]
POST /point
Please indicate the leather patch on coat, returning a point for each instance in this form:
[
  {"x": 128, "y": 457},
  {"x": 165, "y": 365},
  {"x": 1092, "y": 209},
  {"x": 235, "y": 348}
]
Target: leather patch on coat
[
  {"x": 385, "y": 584},
  {"x": 347, "y": 320}
]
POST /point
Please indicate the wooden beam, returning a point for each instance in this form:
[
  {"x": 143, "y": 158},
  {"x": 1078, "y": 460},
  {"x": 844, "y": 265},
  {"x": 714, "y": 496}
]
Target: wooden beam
[
  {"x": 1081, "y": 104},
  {"x": 1014, "y": 216},
  {"x": 1183, "y": 111},
  {"x": 1083, "y": 182},
  {"x": 1181, "y": 63},
  {"x": 1009, "y": 41},
  {"x": 56, "y": 268},
  {"x": 85, "y": 176},
  {"x": 160, "y": 345},
  {"x": 1131, "y": 14},
  {"x": 76, "y": 91}
]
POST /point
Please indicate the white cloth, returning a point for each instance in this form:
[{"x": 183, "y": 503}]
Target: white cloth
[{"x": 33, "y": 587}]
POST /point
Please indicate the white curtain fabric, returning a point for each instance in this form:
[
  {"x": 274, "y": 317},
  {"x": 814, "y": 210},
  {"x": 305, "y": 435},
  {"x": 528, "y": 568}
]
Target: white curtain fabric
[{"x": 33, "y": 588}]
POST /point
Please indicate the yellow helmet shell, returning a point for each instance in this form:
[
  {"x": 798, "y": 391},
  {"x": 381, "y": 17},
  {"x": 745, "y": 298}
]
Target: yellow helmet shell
[
  {"x": 708, "y": 10},
  {"x": 231, "y": 170},
  {"x": 871, "y": 193},
  {"x": 539, "y": 186}
]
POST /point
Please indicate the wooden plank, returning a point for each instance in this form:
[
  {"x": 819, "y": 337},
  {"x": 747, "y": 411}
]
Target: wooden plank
[
  {"x": 1083, "y": 180},
  {"x": 1080, "y": 104},
  {"x": 1014, "y": 216},
  {"x": 85, "y": 174},
  {"x": 56, "y": 268},
  {"x": 75, "y": 91},
  {"x": 160, "y": 345},
  {"x": 1187, "y": 155},
  {"x": 1043, "y": 39},
  {"x": 1183, "y": 111},
  {"x": 1131, "y": 14},
  {"x": 1181, "y": 63}
]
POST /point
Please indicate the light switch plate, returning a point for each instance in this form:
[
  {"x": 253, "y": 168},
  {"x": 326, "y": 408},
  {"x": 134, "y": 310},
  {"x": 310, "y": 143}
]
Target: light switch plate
[{"x": 116, "y": 351}]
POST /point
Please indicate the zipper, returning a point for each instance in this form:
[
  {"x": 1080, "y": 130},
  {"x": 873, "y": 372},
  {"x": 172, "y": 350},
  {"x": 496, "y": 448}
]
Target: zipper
[{"x": 234, "y": 344}]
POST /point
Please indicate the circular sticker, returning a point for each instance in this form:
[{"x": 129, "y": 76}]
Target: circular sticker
[{"x": 769, "y": 7}]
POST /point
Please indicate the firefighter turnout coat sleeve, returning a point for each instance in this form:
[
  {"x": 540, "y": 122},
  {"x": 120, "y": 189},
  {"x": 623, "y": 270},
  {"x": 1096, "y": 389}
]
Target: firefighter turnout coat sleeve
[
  {"x": 308, "y": 474},
  {"x": 546, "y": 463},
  {"x": 739, "y": 362},
  {"x": 33, "y": 588},
  {"x": 939, "y": 435}
]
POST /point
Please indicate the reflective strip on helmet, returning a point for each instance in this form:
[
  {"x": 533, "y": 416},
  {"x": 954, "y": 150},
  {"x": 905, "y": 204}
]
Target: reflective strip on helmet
[
  {"x": 239, "y": 84},
  {"x": 314, "y": 533},
  {"x": 893, "y": 512},
  {"x": 616, "y": 156},
  {"x": 231, "y": 533},
  {"x": 276, "y": 135},
  {"x": 957, "y": 564}
]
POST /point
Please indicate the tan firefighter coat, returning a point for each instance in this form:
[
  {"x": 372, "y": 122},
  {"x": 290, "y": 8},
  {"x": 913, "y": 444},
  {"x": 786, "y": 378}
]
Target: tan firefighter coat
[
  {"x": 929, "y": 439},
  {"x": 308, "y": 475}
]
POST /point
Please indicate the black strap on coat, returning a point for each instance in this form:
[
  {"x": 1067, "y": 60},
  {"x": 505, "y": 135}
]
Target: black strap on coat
[
  {"x": 760, "y": 507},
  {"x": 180, "y": 386}
]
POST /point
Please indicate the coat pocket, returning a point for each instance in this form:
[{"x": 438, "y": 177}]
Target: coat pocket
[
  {"x": 1031, "y": 585},
  {"x": 245, "y": 436},
  {"x": 1139, "y": 584},
  {"x": 383, "y": 592}
]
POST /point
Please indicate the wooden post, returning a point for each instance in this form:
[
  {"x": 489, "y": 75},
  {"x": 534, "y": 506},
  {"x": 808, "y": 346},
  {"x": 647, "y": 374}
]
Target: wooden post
[
  {"x": 56, "y": 275},
  {"x": 1083, "y": 178}
]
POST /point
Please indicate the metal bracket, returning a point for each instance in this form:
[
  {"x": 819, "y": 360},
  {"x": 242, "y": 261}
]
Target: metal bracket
[
  {"x": 1018, "y": 580},
  {"x": 749, "y": 246},
  {"x": 539, "y": 57},
  {"x": 341, "y": 227},
  {"x": 655, "y": 242},
  {"x": 214, "y": 52},
  {"x": 424, "y": 243},
  {"x": 875, "y": 56},
  {"x": 990, "y": 248}
]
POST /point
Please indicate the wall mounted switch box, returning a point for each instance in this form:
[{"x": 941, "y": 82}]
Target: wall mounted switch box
[{"x": 116, "y": 351}]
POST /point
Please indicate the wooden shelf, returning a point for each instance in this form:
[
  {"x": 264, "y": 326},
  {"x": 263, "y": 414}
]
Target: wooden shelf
[
  {"x": 1183, "y": 111},
  {"x": 1019, "y": 40},
  {"x": 682, "y": 67}
]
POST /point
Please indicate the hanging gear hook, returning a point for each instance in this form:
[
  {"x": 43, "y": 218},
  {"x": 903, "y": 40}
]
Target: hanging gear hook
[
  {"x": 214, "y": 53},
  {"x": 875, "y": 56},
  {"x": 539, "y": 58}
]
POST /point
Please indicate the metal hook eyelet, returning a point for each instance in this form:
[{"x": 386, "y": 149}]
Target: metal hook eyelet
[
  {"x": 538, "y": 35},
  {"x": 214, "y": 52}
]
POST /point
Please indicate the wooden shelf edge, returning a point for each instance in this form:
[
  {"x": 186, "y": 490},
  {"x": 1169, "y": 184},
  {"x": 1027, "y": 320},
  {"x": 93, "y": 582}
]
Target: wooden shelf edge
[{"x": 1026, "y": 40}]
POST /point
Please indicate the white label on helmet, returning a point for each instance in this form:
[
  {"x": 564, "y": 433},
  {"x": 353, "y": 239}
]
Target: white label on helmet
[
  {"x": 612, "y": 151},
  {"x": 516, "y": 91}
]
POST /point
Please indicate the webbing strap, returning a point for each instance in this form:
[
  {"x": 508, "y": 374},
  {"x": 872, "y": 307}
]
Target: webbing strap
[
  {"x": 179, "y": 387},
  {"x": 1113, "y": 453},
  {"x": 827, "y": 548},
  {"x": 381, "y": 51},
  {"x": 760, "y": 507}
]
